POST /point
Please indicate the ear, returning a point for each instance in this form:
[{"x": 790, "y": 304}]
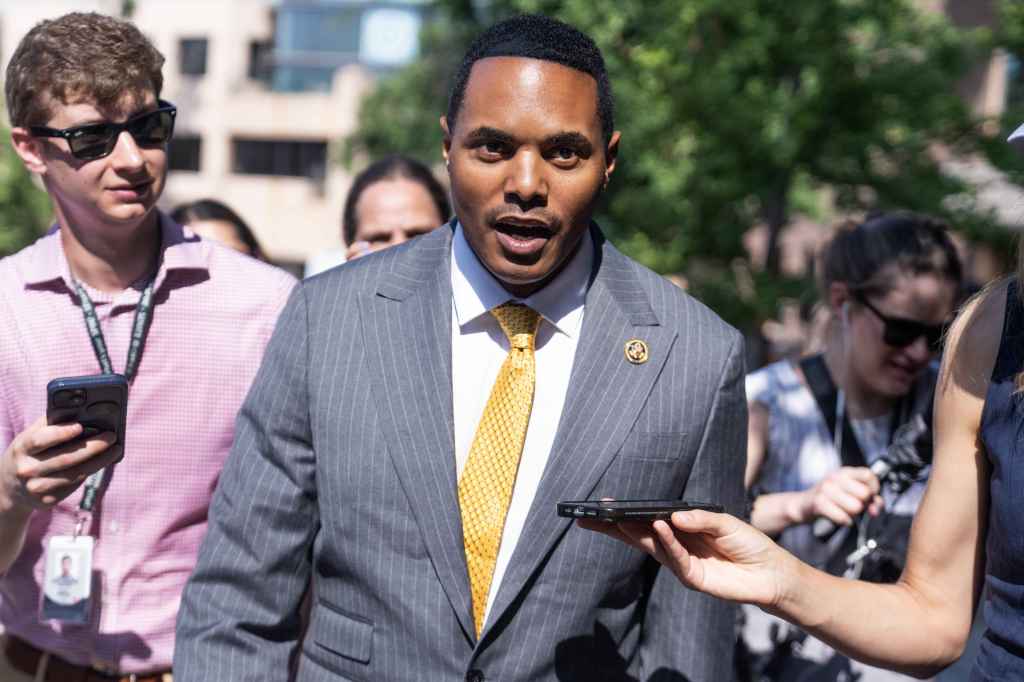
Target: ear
[
  {"x": 611, "y": 156},
  {"x": 29, "y": 149},
  {"x": 446, "y": 140},
  {"x": 838, "y": 296}
]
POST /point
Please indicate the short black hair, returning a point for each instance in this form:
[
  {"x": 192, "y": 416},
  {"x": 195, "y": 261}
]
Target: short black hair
[
  {"x": 211, "y": 209},
  {"x": 390, "y": 168},
  {"x": 533, "y": 36}
]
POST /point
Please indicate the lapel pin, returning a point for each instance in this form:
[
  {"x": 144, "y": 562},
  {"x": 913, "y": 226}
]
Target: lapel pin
[{"x": 636, "y": 351}]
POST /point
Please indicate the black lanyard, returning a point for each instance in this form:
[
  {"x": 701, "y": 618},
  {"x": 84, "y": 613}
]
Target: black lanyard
[{"x": 140, "y": 328}]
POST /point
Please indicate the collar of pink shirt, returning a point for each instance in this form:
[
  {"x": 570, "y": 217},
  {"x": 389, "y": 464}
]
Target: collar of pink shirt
[{"x": 181, "y": 254}]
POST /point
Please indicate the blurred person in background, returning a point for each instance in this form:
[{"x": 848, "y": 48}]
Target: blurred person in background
[
  {"x": 392, "y": 200},
  {"x": 115, "y": 279},
  {"x": 817, "y": 424},
  {"x": 214, "y": 220}
]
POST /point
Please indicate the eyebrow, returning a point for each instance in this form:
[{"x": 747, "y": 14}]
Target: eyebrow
[
  {"x": 571, "y": 139},
  {"x": 488, "y": 133},
  {"x": 141, "y": 111},
  {"x": 566, "y": 138}
]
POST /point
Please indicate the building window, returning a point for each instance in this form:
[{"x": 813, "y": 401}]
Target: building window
[
  {"x": 261, "y": 66},
  {"x": 183, "y": 152},
  {"x": 192, "y": 52},
  {"x": 280, "y": 157}
]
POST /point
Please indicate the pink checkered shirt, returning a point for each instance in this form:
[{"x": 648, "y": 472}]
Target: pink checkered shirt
[{"x": 213, "y": 314}]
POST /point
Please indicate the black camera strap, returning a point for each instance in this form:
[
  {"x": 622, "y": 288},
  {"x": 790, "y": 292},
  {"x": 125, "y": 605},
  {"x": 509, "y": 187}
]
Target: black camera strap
[
  {"x": 826, "y": 395},
  {"x": 892, "y": 530},
  {"x": 140, "y": 329}
]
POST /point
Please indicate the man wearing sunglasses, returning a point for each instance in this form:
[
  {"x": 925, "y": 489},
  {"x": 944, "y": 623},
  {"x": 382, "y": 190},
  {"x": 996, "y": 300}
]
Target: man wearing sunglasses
[{"x": 116, "y": 279}]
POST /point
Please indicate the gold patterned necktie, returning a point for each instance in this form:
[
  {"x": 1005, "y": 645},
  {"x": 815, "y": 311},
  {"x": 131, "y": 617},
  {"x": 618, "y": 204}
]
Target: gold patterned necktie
[{"x": 489, "y": 475}]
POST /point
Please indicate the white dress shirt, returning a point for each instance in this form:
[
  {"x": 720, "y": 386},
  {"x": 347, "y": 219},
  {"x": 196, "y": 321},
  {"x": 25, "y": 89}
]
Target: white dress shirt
[{"x": 479, "y": 347}]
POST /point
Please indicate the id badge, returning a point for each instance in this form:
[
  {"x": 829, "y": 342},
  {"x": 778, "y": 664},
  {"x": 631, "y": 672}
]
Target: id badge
[{"x": 67, "y": 579}]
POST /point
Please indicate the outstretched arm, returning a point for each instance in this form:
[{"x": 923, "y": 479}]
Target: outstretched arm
[{"x": 919, "y": 624}]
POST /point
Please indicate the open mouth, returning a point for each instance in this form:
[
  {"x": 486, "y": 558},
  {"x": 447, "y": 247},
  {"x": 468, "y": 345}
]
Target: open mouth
[{"x": 521, "y": 237}]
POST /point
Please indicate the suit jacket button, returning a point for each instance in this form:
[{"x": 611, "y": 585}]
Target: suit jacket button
[{"x": 475, "y": 676}]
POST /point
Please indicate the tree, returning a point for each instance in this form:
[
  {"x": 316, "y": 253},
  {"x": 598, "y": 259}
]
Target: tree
[
  {"x": 24, "y": 209},
  {"x": 738, "y": 113}
]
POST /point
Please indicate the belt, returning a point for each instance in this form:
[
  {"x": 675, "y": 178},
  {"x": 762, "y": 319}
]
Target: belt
[{"x": 26, "y": 658}]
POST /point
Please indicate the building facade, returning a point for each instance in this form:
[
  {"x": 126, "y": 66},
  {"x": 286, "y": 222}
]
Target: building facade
[{"x": 266, "y": 90}]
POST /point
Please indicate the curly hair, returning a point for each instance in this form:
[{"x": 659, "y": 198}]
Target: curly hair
[{"x": 79, "y": 57}]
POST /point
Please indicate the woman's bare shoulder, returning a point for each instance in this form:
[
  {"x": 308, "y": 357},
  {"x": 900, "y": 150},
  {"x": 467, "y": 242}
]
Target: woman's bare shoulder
[{"x": 973, "y": 341}]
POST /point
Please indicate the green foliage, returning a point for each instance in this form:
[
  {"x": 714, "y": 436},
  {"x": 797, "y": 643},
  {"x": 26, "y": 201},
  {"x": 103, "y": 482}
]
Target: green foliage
[
  {"x": 24, "y": 208},
  {"x": 736, "y": 113}
]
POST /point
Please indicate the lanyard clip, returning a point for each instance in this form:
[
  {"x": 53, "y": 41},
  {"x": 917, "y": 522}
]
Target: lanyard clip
[{"x": 80, "y": 525}]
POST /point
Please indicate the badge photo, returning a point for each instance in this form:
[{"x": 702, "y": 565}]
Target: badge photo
[{"x": 67, "y": 581}]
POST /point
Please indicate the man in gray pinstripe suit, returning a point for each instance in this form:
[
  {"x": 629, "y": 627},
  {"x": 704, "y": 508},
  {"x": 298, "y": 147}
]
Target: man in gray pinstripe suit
[{"x": 375, "y": 396}]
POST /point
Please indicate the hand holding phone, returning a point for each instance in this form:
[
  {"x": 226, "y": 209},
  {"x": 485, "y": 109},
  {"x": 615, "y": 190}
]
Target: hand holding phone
[
  {"x": 53, "y": 456},
  {"x": 98, "y": 402},
  {"x": 630, "y": 510}
]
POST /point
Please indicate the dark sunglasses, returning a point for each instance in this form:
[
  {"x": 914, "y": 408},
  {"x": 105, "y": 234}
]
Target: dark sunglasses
[
  {"x": 900, "y": 332},
  {"x": 96, "y": 140}
]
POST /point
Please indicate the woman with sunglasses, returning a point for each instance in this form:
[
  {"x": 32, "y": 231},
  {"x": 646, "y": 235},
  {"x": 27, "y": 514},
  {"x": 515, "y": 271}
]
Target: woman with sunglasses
[
  {"x": 817, "y": 425},
  {"x": 969, "y": 532}
]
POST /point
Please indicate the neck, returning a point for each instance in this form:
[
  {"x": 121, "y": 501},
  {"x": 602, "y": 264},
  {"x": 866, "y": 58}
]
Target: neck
[
  {"x": 108, "y": 264},
  {"x": 861, "y": 402}
]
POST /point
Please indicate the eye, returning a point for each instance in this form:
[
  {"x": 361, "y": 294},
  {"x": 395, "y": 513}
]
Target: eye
[
  {"x": 564, "y": 156},
  {"x": 492, "y": 149}
]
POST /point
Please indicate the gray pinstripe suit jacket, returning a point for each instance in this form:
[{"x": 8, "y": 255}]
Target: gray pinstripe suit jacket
[{"x": 342, "y": 478}]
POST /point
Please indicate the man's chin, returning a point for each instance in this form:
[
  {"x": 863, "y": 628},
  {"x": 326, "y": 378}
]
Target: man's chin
[
  {"x": 514, "y": 276},
  {"x": 129, "y": 212}
]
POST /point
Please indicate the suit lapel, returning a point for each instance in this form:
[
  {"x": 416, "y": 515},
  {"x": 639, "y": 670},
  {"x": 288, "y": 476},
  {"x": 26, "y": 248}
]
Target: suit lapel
[
  {"x": 407, "y": 328},
  {"x": 606, "y": 393}
]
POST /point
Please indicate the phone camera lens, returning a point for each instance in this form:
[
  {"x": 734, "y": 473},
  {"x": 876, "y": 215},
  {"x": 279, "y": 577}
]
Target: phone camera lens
[{"x": 69, "y": 398}]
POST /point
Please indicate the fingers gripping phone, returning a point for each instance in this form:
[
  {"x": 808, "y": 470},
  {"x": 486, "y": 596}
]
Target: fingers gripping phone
[
  {"x": 630, "y": 510},
  {"x": 96, "y": 402}
]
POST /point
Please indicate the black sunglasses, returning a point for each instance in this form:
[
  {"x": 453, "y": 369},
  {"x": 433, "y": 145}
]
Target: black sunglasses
[
  {"x": 900, "y": 332},
  {"x": 96, "y": 140}
]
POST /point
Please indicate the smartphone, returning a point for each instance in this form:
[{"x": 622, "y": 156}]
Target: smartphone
[
  {"x": 630, "y": 510},
  {"x": 98, "y": 401}
]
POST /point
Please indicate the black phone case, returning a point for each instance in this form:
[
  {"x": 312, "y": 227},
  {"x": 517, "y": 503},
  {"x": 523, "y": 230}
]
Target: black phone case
[
  {"x": 98, "y": 401},
  {"x": 630, "y": 510}
]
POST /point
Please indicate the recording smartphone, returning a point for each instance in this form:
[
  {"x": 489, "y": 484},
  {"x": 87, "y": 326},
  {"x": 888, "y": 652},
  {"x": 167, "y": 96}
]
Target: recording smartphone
[
  {"x": 630, "y": 510},
  {"x": 98, "y": 401}
]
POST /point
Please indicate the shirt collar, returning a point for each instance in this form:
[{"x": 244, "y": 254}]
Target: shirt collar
[
  {"x": 476, "y": 292},
  {"x": 178, "y": 251}
]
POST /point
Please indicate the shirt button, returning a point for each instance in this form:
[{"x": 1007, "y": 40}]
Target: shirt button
[
  {"x": 475, "y": 676},
  {"x": 114, "y": 527}
]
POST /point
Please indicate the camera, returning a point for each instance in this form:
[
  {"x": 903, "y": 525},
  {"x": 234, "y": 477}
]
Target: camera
[{"x": 69, "y": 398}]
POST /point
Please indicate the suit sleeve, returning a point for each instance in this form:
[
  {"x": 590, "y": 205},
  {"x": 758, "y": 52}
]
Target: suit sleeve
[
  {"x": 239, "y": 617},
  {"x": 691, "y": 632}
]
